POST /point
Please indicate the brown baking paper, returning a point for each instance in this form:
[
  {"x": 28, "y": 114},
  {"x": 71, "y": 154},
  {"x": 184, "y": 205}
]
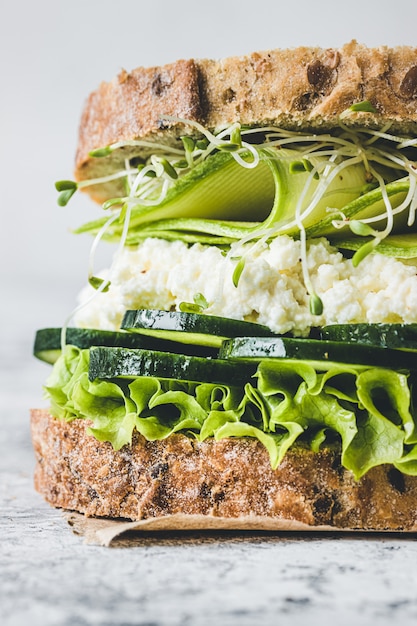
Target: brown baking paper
[{"x": 103, "y": 531}]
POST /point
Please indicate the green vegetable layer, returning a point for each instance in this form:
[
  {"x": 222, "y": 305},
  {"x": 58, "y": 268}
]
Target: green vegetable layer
[
  {"x": 220, "y": 201},
  {"x": 364, "y": 410}
]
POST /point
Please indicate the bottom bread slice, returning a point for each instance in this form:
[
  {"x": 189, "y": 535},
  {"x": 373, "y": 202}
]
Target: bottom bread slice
[{"x": 213, "y": 484}]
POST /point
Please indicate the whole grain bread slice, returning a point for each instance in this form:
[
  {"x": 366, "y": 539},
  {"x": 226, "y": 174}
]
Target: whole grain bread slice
[
  {"x": 305, "y": 87},
  {"x": 181, "y": 483}
]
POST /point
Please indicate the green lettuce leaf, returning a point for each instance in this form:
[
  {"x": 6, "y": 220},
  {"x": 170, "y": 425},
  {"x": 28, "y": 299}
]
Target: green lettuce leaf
[
  {"x": 64, "y": 376},
  {"x": 377, "y": 442},
  {"x": 386, "y": 395},
  {"x": 111, "y": 411},
  {"x": 408, "y": 462},
  {"x": 277, "y": 444},
  {"x": 366, "y": 412},
  {"x": 162, "y": 412},
  {"x": 369, "y": 410}
]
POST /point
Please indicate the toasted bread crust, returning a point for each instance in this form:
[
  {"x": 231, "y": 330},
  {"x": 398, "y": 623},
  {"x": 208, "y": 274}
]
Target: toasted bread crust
[
  {"x": 230, "y": 480},
  {"x": 306, "y": 86}
]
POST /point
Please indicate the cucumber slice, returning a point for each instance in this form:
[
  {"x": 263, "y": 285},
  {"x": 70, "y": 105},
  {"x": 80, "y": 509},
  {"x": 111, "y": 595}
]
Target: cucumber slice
[
  {"x": 194, "y": 328},
  {"x": 47, "y": 345},
  {"x": 398, "y": 336},
  {"x": 323, "y": 353},
  {"x": 125, "y": 363}
]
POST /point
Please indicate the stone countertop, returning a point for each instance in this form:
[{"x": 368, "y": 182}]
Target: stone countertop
[{"x": 50, "y": 576}]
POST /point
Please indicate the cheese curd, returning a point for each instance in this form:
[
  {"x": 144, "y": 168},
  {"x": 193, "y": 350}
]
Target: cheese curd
[{"x": 160, "y": 274}]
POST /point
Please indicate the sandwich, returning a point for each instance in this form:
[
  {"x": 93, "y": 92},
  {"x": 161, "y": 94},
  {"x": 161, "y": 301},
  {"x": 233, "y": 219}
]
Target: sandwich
[{"x": 249, "y": 359}]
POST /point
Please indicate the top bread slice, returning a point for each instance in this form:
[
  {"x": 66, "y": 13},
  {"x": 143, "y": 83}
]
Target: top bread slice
[{"x": 305, "y": 87}]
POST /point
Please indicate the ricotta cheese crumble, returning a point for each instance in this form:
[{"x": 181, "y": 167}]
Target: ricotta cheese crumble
[{"x": 159, "y": 274}]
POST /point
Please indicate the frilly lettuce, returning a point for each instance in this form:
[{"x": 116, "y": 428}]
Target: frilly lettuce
[{"x": 366, "y": 412}]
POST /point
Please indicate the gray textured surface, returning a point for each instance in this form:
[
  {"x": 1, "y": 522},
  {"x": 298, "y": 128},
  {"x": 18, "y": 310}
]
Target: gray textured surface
[{"x": 48, "y": 576}]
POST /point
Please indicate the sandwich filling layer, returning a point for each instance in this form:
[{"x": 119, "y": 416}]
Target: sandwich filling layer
[
  {"x": 159, "y": 274},
  {"x": 364, "y": 410},
  {"x": 293, "y": 230}
]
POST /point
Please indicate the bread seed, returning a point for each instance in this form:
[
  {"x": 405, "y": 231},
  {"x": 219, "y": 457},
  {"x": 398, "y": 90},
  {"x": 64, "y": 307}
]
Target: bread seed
[
  {"x": 319, "y": 75},
  {"x": 408, "y": 87}
]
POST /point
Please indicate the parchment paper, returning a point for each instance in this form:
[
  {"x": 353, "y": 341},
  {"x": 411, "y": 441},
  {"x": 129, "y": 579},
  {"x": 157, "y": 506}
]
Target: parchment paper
[{"x": 103, "y": 532}]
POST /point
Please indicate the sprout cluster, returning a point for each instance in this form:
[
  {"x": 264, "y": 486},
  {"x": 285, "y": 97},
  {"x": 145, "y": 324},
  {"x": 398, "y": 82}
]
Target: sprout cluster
[{"x": 324, "y": 156}]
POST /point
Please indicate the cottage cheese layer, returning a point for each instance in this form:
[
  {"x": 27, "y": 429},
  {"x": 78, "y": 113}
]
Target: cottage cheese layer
[{"x": 160, "y": 274}]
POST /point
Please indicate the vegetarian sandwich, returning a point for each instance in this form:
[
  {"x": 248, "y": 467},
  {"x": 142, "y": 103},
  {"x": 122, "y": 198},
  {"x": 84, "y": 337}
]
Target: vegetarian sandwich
[{"x": 249, "y": 359}]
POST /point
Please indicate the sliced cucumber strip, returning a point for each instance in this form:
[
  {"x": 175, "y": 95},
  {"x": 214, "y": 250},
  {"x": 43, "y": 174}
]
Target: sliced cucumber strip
[
  {"x": 47, "y": 345},
  {"x": 399, "y": 246},
  {"x": 322, "y": 352},
  {"x": 398, "y": 336},
  {"x": 125, "y": 363},
  {"x": 217, "y": 188},
  {"x": 190, "y": 328}
]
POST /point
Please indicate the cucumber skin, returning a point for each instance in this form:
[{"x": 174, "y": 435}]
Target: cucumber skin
[
  {"x": 317, "y": 350},
  {"x": 111, "y": 363},
  {"x": 198, "y": 327},
  {"x": 48, "y": 340},
  {"x": 398, "y": 336}
]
